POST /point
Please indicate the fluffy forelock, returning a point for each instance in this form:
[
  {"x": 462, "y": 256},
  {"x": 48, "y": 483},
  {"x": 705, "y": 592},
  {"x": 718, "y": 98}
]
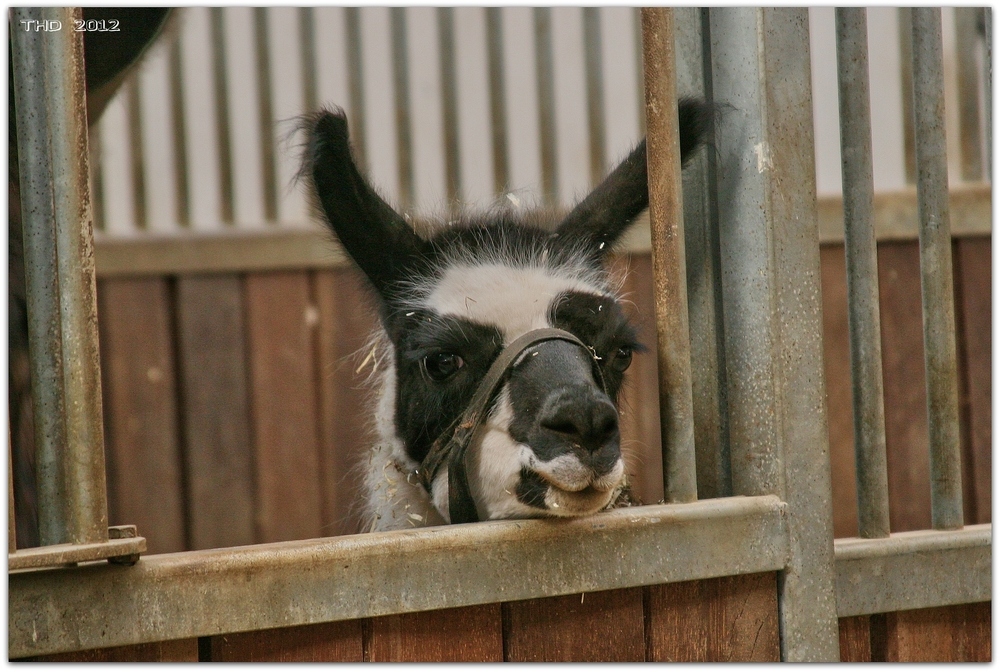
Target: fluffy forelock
[{"x": 505, "y": 241}]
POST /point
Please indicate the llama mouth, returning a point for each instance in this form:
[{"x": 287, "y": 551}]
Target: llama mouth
[{"x": 566, "y": 474}]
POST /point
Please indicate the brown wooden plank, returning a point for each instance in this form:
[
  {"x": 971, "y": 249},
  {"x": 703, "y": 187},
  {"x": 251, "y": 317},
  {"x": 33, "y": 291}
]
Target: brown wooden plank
[
  {"x": 338, "y": 642},
  {"x": 855, "y": 640},
  {"x": 837, "y": 367},
  {"x": 140, "y": 410},
  {"x": 174, "y": 651},
  {"x": 466, "y": 634},
  {"x": 605, "y": 626},
  {"x": 905, "y": 386},
  {"x": 639, "y": 403},
  {"x": 280, "y": 322},
  {"x": 960, "y": 633},
  {"x": 974, "y": 314},
  {"x": 347, "y": 319},
  {"x": 215, "y": 410},
  {"x": 733, "y": 618}
]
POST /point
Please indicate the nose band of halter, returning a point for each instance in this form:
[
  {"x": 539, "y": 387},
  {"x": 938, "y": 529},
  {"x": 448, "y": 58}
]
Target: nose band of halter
[{"x": 451, "y": 445}]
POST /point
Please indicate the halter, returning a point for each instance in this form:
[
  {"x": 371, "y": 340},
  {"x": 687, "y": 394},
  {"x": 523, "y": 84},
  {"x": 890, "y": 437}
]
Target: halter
[{"x": 452, "y": 444}]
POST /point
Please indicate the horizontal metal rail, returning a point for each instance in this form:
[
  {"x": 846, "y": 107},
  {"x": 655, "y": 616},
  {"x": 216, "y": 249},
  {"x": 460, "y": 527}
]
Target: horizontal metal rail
[
  {"x": 913, "y": 570},
  {"x": 213, "y": 592}
]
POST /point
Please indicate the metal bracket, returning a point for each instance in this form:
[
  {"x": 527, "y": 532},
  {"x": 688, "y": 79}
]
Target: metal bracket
[{"x": 123, "y": 547}]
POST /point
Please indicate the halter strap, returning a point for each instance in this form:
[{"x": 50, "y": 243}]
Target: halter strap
[{"x": 452, "y": 444}]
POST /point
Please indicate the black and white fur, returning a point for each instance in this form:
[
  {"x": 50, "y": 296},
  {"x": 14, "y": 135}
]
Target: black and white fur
[{"x": 450, "y": 301}]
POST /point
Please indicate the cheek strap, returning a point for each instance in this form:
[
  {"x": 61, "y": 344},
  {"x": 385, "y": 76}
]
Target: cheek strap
[{"x": 451, "y": 446}]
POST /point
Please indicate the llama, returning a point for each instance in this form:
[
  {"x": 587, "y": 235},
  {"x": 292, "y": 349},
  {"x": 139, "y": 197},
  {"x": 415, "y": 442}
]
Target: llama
[{"x": 502, "y": 349}]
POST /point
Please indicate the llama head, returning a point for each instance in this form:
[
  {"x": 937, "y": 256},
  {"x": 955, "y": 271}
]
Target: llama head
[{"x": 451, "y": 303}]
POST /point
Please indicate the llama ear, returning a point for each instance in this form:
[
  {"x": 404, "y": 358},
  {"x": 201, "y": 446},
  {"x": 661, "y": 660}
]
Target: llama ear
[
  {"x": 607, "y": 212},
  {"x": 377, "y": 237}
]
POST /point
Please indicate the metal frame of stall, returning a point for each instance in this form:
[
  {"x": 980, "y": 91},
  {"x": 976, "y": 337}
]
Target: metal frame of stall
[{"x": 750, "y": 229}]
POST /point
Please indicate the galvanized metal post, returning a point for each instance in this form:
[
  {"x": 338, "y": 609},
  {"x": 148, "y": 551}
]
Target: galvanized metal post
[
  {"x": 50, "y": 98},
  {"x": 701, "y": 250},
  {"x": 771, "y": 302},
  {"x": 988, "y": 89},
  {"x": 936, "y": 283},
  {"x": 862, "y": 272},
  {"x": 666, "y": 220}
]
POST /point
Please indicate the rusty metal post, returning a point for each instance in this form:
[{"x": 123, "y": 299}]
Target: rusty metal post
[
  {"x": 862, "y": 272},
  {"x": 936, "y": 281},
  {"x": 50, "y": 98},
  {"x": 666, "y": 220},
  {"x": 772, "y": 301}
]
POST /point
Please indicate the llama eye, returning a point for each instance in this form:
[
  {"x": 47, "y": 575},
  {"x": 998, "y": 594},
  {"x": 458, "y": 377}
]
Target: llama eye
[
  {"x": 442, "y": 365},
  {"x": 622, "y": 358}
]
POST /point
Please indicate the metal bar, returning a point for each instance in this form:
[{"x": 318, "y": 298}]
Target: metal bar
[
  {"x": 546, "y": 105},
  {"x": 988, "y": 89},
  {"x": 771, "y": 294},
  {"x": 702, "y": 257},
  {"x": 498, "y": 111},
  {"x": 11, "y": 525},
  {"x": 936, "y": 282},
  {"x": 914, "y": 570},
  {"x": 265, "y": 109},
  {"x": 221, "y": 111},
  {"x": 666, "y": 219},
  {"x": 41, "y": 275},
  {"x": 595, "y": 91},
  {"x": 59, "y": 260},
  {"x": 449, "y": 105},
  {"x": 403, "y": 117},
  {"x": 968, "y": 91},
  {"x": 203, "y": 593},
  {"x": 906, "y": 85},
  {"x": 862, "y": 273}
]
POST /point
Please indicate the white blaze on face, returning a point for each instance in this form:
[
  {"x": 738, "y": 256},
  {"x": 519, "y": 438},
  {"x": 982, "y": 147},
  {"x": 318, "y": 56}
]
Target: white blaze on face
[{"x": 515, "y": 300}]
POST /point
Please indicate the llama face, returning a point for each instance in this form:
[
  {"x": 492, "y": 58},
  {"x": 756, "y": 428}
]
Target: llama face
[
  {"x": 550, "y": 443},
  {"x": 451, "y": 303}
]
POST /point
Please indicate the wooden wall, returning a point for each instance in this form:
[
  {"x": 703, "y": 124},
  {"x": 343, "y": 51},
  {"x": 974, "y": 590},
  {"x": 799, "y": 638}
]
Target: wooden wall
[{"x": 235, "y": 408}]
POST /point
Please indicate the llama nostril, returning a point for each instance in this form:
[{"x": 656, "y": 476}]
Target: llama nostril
[{"x": 588, "y": 424}]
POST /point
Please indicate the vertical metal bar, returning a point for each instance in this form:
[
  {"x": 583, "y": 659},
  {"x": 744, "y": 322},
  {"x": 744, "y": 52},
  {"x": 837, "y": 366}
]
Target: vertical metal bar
[
  {"x": 906, "y": 84},
  {"x": 221, "y": 110},
  {"x": 864, "y": 323},
  {"x": 498, "y": 111},
  {"x": 701, "y": 250},
  {"x": 968, "y": 91},
  {"x": 180, "y": 133},
  {"x": 666, "y": 219},
  {"x": 134, "y": 92},
  {"x": 266, "y": 108},
  {"x": 401, "y": 82},
  {"x": 11, "y": 524},
  {"x": 546, "y": 104},
  {"x": 41, "y": 274},
  {"x": 50, "y": 97},
  {"x": 355, "y": 74},
  {"x": 771, "y": 297},
  {"x": 595, "y": 91},
  {"x": 988, "y": 89},
  {"x": 936, "y": 282},
  {"x": 449, "y": 106}
]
